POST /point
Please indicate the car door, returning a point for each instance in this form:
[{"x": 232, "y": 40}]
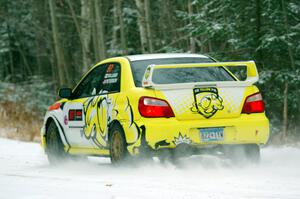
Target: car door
[
  {"x": 102, "y": 109},
  {"x": 74, "y": 110},
  {"x": 92, "y": 106}
]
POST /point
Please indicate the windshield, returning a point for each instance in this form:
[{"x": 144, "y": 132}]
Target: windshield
[{"x": 179, "y": 75}]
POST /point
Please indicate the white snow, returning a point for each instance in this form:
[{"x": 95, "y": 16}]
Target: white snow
[{"x": 25, "y": 173}]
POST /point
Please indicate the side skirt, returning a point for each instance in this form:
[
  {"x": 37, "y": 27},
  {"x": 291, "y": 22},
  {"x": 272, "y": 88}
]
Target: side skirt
[{"x": 88, "y": 151}]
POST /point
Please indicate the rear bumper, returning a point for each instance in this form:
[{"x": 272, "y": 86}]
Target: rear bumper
[{"x": 169, "y": 132}]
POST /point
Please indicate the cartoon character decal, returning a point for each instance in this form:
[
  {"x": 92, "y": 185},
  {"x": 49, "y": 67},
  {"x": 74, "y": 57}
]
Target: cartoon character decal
[
  {"x": 207, "y": 101},
  {"x": 99, "y": 112}
]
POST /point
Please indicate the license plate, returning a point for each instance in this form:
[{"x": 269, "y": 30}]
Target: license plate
[{"x": 212, "y": 134}]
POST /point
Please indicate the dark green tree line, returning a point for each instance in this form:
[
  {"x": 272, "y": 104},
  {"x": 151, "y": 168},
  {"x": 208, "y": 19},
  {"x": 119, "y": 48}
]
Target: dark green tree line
[{"x": 58, "y": 40}]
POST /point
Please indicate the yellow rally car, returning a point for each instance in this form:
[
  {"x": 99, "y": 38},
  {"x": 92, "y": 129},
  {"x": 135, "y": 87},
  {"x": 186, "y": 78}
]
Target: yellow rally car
[{"x": 164, "y": 105}]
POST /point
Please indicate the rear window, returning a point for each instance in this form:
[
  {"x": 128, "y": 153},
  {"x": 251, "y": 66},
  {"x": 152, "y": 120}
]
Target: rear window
[
  {"x": 189, "y": 75},
  {"x": 179, "y": 75}
]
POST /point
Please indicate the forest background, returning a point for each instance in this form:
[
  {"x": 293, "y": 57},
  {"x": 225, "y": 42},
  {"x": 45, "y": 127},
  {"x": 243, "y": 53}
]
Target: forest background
[{"x": 47, "y": 44}]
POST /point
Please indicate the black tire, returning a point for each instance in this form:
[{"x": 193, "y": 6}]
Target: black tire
[
  {"x": 240, "y": 154},
  {"x": 117, "y": 145},
  {"x": 54, "y": 146},
  {"x": 168, "y": 156},
  {"x": 253, "y": 153},
  {"x": 174, "y": 155}
]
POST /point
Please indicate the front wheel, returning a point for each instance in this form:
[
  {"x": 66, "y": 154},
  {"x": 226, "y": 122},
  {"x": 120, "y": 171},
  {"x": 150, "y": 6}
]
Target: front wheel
[
  {"x": 118, "y": 146},
  {"x": 54, "y": 146}
]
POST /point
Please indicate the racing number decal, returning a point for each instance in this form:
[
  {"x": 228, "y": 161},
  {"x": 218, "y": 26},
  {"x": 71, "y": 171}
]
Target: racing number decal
[{"x": 207, "y": 101}]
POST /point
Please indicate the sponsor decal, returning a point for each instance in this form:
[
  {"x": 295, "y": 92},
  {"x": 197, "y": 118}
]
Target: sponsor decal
[
  {"x": 111, "y": 75},
  {"x": 182, "y": 139},
  {"x": 66, "y": 120},
  {"x": 206, "y": 101},
  {"x": 110, "y": 81}
]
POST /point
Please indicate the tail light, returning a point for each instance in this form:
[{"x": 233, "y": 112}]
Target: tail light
[
  {"x": 254, "y": 104},
  {"x": 153, "y": 107}
]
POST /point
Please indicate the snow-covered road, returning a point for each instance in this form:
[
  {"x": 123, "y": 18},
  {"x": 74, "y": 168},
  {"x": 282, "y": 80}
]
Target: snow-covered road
[{"x": 25, "y": 173}]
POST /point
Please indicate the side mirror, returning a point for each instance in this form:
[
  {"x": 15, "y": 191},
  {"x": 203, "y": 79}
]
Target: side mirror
[{"x": 65, "y": 93}]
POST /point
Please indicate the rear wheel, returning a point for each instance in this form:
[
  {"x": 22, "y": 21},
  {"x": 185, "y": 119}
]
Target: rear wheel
[
  {"x": 55, "y": 148},
  {"x": 118, "y": 146},
  {"x": 249, "y": 153},
  {"x": 253, "y": 153},
  {"x": 174, "y": 155}
]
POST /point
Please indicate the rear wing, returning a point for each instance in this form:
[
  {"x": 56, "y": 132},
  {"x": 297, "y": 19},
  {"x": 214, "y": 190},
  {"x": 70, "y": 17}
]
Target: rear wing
[{"x": 252, "y": 75}]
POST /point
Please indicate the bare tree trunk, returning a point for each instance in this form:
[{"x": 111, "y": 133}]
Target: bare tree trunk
[
  {"x": 291, "y": 57},
  {"x": 54, "y": 68},
  {"x": 38, "y": 59},
  {"x": 142, "y": 25},
  {"x": 85, "y": 33},
  {"x": 61, "y": 65},
  {"x": 115, "y": 27},
  {"x": 10, "y": 69},
  {"x": 285, "y": 113},
  {"x": 209, "y": 46},
  {"x": 26, "y": 65},
  {"x": 3, "y": 71},
  {"x": 10, "y": 54},
  {"x": 258, "y": 31},
  {"x": 40, "y": 8},
  {"x": 192, "y": 39},
  {"x": 166, "y": 22},
  {"x": 98, "y": 36},
  {"x": 148, "y": 25},
  {"x": 286, "y": 26},
  {"x": 11, "y": 65},
  {"x": 122, "y": 28},
  {"x": 201, "y": 39},
  {"x": 94, "y": 32}
]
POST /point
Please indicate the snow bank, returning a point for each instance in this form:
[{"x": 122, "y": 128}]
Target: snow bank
[{"x": 25, "y": 173}]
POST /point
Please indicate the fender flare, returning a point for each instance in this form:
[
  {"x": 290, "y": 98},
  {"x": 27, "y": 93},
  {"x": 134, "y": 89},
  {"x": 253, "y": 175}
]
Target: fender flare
[
  {"x": 111, "y": 124},
  {"x": 62, "y": 134}
]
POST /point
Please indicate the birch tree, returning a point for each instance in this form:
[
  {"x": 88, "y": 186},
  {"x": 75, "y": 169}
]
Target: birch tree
[
  {"x": 122, "y": 27},
  {"x": 148, "y": 25},
  {"x": 192, "y": 39},
  {"x": 59, "y": 54},
  {"x": 98, "y": 31},
  {"x": 142, "y": 25},
  {"x": 115, "y": 27},
  {"x": 86, "y": 33}
]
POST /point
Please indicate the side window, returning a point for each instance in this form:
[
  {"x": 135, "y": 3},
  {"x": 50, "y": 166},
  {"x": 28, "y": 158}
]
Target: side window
[
  {"x": 103, "y": 79},
  {"x": 111, "y": 81},
  {"x": 91, "y": 84}
]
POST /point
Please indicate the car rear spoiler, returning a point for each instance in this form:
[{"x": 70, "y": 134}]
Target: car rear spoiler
[{"x": 252, "y": 76}]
